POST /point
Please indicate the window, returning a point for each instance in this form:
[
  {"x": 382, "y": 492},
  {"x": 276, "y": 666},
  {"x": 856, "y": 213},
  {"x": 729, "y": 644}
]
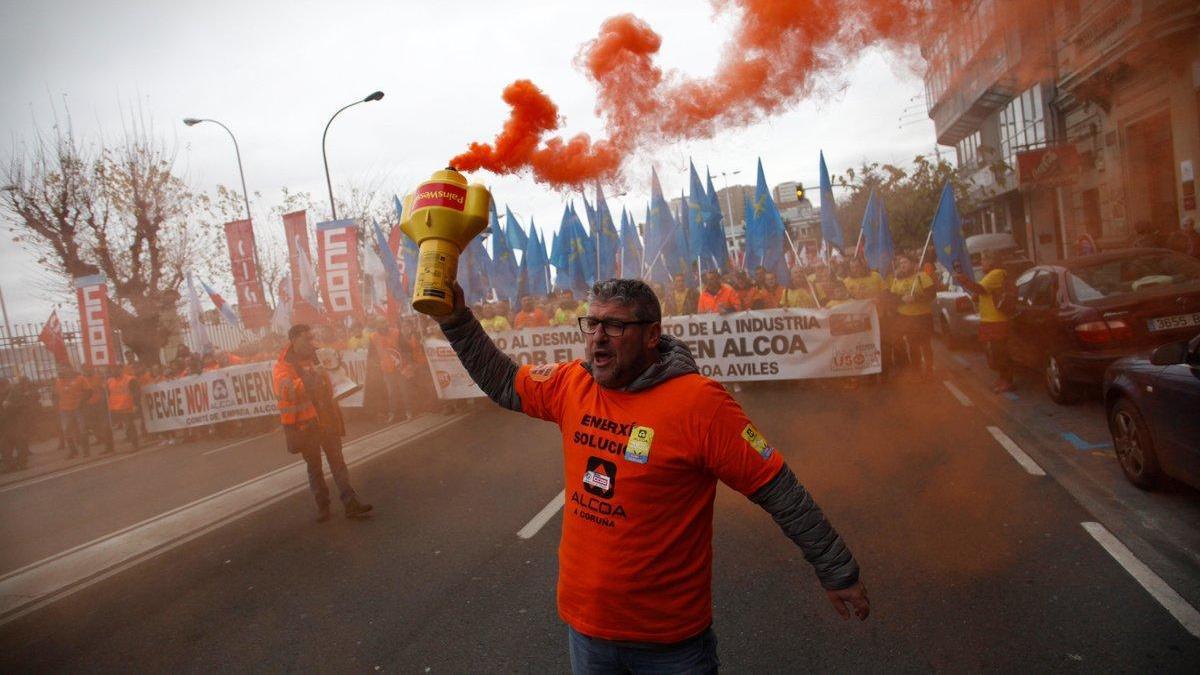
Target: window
[
  {"x": 1022, "y": 124},
  {"x": 1123, "y": 276},
  {"x": 968, "y": 151},
  {"x": 1035, "y": 288}
]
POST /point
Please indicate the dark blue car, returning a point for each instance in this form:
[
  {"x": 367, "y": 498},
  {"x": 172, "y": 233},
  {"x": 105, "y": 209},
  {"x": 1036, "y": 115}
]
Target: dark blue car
[{"x": 1153, "y": 404}]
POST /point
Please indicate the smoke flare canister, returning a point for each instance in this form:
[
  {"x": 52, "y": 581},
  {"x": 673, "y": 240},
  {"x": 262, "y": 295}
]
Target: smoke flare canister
[{"x": 442, "y": 216}]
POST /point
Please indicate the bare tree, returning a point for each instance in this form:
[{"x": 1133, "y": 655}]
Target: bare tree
[{"x": 118, "y": 209}]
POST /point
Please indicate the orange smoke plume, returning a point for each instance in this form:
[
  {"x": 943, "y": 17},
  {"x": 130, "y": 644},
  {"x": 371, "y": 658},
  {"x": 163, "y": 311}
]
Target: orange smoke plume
[{"x": 775, "y": 56}]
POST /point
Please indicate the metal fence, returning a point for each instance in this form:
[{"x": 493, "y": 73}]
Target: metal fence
[{"x": 21, "y": 353}]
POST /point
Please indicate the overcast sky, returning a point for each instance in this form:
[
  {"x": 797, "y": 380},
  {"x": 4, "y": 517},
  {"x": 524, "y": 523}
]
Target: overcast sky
[{"x": 275, "y": 71}]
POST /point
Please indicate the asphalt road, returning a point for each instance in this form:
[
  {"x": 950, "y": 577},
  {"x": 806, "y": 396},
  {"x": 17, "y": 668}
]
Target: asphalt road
[{"x": 972, "y": 562}]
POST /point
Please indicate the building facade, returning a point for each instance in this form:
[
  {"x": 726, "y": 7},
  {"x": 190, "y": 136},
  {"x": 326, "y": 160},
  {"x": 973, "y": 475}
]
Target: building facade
[{"x": 1072, "y": 118}]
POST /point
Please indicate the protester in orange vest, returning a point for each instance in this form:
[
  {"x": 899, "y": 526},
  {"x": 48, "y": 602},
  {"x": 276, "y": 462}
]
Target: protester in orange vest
[
  {"x": 645, "y": 439},
  {"x": 123, "y": 390},
  {"x": 385, "y": 343},
  {"x": 71, "y": 390},
  {"x": 96, "y": 410},
  {"x": 312, "y": 420}
]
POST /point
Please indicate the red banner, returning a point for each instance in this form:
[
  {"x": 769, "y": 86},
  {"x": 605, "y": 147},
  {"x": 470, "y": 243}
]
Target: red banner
[
  {"x": 52, "y": 337},
  {"x": 338, "y": 268},
  {"x": 243, "y": 260},
  {"x": 304, "y": 294},
  {"x": 99, "y": 346}
]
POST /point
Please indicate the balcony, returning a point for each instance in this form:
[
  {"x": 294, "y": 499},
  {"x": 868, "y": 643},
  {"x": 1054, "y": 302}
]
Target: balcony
[{"x": 982, "y": 86}]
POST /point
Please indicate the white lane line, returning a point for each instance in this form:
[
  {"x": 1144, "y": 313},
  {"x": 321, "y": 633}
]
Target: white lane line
[
  {"x": 1166, "y": 596},
  {"x": 958, "y": 394},
  {"x": 1017, "y": 453},
  {"x": 42, "y": 583},
  {"x": 531, "y": 528},
  {"x": 237, "y": 443},
  {"x": 962, "y": 361}
]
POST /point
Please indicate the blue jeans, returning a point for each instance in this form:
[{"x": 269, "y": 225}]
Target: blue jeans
[{"x": 593, "y": 656}]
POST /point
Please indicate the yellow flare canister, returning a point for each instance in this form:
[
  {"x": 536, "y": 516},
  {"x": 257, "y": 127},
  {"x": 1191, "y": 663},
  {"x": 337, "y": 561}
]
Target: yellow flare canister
[{"x": 442, "y": 216}]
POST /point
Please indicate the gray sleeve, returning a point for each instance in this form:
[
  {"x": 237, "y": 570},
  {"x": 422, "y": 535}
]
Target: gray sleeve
[
  {"x": 492, "y": 370},
  {"x": 802, "y": 521}
]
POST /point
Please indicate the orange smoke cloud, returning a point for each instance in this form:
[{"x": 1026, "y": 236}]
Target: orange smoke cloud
[{"x": 775, "y": 56}]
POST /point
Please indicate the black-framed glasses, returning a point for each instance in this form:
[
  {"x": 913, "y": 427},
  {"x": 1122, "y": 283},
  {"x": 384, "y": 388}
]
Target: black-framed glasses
[{"x": 612, "y": 327}]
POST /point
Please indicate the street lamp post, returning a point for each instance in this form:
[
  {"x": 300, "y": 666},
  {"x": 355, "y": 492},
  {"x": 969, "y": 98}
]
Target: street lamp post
[
  {"x": 192, "y": 121},
  {"x": 375, "y": 96}
]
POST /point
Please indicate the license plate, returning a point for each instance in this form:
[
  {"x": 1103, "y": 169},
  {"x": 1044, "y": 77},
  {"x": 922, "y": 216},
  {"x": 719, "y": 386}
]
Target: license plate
[{"x": 1172, "y": 322}]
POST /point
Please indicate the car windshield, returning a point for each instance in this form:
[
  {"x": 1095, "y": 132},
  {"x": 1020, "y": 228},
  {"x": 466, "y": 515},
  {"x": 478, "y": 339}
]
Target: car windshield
[{"x": 1124, "y": 276}]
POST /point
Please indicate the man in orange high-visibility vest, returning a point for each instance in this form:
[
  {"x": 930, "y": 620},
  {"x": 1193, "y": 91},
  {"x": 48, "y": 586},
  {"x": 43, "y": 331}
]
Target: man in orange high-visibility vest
[
  {"x": 312, "y": 421},
  {"x": 122, "y": 393}
]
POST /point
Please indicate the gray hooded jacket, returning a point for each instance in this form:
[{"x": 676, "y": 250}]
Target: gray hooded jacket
[{"x": 788, "y": 502}]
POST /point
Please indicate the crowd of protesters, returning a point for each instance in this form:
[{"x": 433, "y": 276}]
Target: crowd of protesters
[{"x": 93, "y": 406}]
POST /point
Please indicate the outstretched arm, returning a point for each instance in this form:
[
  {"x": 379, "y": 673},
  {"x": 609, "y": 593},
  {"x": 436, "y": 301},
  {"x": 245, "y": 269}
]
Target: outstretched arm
[
  {"x": 489, "y": 367},
  {"x": 802, "y": 521}
]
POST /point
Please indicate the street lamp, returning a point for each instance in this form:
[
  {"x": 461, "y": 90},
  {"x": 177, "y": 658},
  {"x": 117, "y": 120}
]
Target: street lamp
[
  {"x": 728, "y": 201},
  {"x": 375, "y": 96},
  {"x": 192, "y": 121}
]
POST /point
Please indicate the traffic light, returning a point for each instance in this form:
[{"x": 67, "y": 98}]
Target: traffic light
[{"x": 799, "y": 192}]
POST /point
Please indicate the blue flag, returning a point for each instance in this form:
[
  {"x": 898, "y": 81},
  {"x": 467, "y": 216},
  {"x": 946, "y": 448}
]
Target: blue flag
[
  {"x": 831, "y": 230},
  {"x": 536, "y": 264},
  {"x": 877, "y": 236},
  {"x": 578, "y": 251},
  {"x": 631, "y": 248},
  {"x": 948, "y": 241},
  {"x": 607, "y": 239},
  {"x": 517, "y": 240},
  {"x": 715, "y": 244},
  {"x": 504, "y": 272},
  {"x": 395, "y": 283},
  {"x": 474, "y": 268},
  {"x": 664, "y": 254},
  {"x": 771, "y": 228},
  {"x": 698, "y": 217}
]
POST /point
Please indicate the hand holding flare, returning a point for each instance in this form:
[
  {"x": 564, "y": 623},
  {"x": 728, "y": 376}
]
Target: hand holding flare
[{"x": 441, "y": 217}]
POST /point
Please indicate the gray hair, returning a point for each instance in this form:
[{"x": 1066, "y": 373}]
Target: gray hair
[{"x": 633, "y": 293}]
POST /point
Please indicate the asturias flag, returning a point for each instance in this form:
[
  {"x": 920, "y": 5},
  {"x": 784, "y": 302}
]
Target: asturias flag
[
  {"x": 948, "y": 239},
  {"x": 831, "y": 230}
]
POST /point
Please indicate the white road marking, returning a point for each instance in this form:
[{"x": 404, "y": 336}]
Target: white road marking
[
  {"x": 962, "y": 360},
  {"x": 531, "y": 528},
  {"x": 39, "y": 584},
  {"x": 237, "y": 443},
  {"x": 1017, "y": 453},
  {"x": 1166, "y": 596},
  {"x": 958, "y": 394}
]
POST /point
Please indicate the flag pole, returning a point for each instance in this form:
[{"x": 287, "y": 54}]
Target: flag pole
[{"x": 924, "y": 249}]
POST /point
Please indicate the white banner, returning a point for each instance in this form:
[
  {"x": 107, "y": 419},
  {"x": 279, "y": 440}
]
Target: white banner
[
  {"x": 776, "y": 344},
  {"x": 233, "y": 393}
]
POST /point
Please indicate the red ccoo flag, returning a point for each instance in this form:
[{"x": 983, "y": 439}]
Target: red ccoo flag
[{"x": 52, "y": 337}]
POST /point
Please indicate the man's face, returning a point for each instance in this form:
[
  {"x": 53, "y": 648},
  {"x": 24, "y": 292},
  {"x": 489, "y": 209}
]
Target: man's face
[
  {"x": 616, "y": 361},
  {"x": 677, "y": 283},
  {"x": 712, "y": 282},
  {"x": 797, "y": 278},
  {"x": 305, "y": 345},
  {"x": 526, "y": 304},
  {"x": 858, "y": 268},
  {"x": 904, "y": 267},
  {"x": 772, "y": 280}
]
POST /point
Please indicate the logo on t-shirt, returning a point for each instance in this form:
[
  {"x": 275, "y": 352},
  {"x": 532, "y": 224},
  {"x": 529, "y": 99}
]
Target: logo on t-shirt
[
  {"x": 757, "y": 441},
  {"x": 543, "y": 372},
  {"x": 601, "y": 477},
  {"x": 637, "y": 449}
]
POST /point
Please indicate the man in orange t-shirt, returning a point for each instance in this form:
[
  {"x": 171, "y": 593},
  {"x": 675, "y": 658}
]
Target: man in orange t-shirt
[
  {"x": 645, "y": 440},
  {"x": 530, "y": 316},
  {"x": 717, "y": 297}
]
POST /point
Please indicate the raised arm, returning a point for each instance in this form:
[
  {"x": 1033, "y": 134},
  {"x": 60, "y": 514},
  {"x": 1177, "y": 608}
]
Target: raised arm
[{"x": 489, "y": 367}]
